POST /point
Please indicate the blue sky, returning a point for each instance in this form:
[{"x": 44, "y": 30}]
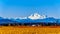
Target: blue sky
[{"x": 22, "y": 8}]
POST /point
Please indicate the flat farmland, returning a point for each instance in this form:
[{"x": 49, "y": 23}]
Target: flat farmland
[{"x": 29, "y": 30}]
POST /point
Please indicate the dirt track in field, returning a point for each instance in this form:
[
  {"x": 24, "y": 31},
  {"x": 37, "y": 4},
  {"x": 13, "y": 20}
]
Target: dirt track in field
[{"x": 29, "y": 30}]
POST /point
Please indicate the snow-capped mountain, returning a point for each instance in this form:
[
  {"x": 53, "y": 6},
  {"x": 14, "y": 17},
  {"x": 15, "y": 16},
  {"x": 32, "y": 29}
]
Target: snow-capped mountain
[
  {"x": 36, "y": 16},
  {"x": 33, "y": 18}
]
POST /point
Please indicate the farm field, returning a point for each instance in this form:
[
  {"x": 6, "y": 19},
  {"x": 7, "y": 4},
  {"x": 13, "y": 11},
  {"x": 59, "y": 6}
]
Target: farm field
[{"x": 29, "y": 30}]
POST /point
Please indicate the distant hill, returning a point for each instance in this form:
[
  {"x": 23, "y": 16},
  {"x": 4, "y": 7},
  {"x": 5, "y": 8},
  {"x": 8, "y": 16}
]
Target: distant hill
[
  {"x": 46, "y": 20},
  {"x": 28, "y": 21},
  {"x": 32, "y": 19}
]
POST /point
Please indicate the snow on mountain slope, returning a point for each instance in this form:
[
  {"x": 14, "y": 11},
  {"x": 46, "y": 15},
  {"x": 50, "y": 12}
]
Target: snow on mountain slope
[
  {"x": 36, "y": 16},
  {"x": 23, "y": 18}
]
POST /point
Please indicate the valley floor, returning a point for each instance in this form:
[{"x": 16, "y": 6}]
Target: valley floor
[{"x": 29, "y": 30}]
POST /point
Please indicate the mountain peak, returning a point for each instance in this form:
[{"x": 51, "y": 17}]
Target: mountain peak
[{"x": 36, "y": 16}]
